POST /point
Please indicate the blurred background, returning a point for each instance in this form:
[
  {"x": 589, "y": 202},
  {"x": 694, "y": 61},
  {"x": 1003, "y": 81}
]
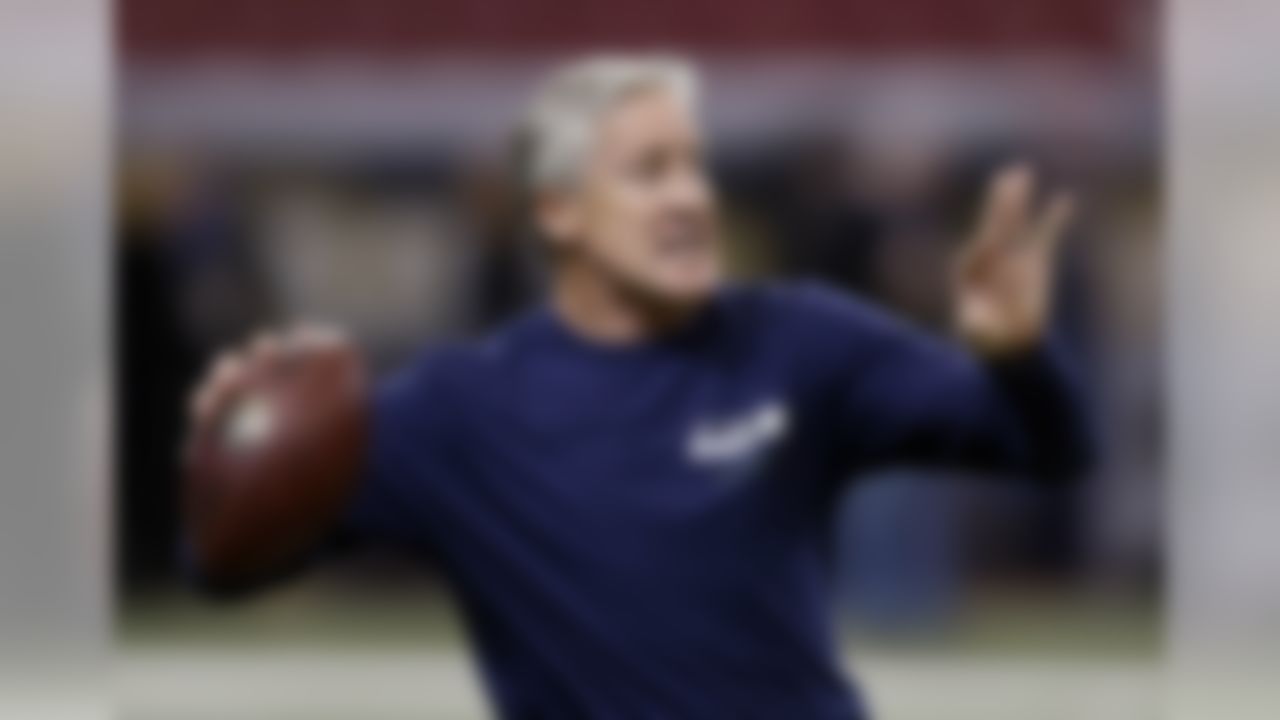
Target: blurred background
[{"x": 280, "y": 160}]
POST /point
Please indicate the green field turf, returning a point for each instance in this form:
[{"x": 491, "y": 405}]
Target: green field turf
[{"x": 335, "y": 654}]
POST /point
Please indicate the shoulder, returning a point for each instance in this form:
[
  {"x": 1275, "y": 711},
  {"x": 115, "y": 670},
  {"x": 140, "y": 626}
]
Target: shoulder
[
  {"x": 810, "y": 308},
  {"x": 436, "y": 368},
  {"x": 448, "y": 371},
  {"x": 823, "y": 332}
]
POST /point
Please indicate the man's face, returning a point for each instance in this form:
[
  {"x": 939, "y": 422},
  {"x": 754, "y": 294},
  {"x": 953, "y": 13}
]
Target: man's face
[{"x": 643, "y": 213}]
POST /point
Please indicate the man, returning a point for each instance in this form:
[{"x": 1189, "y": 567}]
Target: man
[{"x": 631, "y": 486}]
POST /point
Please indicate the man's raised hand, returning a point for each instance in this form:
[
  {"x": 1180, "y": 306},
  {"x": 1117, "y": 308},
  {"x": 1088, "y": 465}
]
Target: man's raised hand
[{"x": 1003, "y": 276}]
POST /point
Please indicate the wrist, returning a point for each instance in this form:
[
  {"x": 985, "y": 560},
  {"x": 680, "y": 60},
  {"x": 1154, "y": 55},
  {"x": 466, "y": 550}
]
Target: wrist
[{"x": 995, "y": 348}]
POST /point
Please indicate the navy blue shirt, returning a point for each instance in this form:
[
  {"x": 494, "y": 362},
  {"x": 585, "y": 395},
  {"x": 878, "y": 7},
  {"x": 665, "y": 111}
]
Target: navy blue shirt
[{"x": 641, "y": 531}]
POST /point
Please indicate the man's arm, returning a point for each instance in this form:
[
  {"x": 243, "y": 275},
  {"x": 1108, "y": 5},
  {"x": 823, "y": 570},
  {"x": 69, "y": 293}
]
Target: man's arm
[
  {"x": 916, "y": 400},
  {"x": 1006, "y": 400}
]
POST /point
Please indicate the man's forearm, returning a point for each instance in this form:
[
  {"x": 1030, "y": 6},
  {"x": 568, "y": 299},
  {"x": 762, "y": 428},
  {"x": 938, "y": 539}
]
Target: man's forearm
[{"x": 1047, "y": 406}]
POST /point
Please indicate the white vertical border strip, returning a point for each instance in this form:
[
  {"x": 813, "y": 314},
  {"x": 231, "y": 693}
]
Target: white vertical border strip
[
  {"x": 1223, "y": 310},
  {"x": 55, "y": 129}
]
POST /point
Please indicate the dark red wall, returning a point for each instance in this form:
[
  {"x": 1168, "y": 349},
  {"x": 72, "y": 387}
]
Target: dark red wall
[{"x": 158, "y": 29}]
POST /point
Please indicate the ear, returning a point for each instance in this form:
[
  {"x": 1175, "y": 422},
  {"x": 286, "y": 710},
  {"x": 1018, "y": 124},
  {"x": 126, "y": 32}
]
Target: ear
[{"x": 559, "y": 217}]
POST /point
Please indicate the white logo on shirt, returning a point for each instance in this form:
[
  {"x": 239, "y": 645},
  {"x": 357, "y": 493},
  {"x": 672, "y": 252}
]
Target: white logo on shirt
[{"x": 740, "y": 437}]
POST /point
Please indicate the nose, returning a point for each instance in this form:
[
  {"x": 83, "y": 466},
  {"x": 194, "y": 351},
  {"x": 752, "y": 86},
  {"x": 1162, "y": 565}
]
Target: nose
[{"x": 691, "y": 192}]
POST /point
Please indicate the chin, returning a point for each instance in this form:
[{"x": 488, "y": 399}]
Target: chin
[{"x": 689, "y": 287}]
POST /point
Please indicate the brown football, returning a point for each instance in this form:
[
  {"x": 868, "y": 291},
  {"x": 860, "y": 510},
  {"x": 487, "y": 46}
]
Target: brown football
[{"x": 268, "y": 478}]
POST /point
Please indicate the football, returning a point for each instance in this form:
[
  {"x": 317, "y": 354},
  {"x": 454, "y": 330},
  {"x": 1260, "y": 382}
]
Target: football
[{"x": 268, "y": 475}]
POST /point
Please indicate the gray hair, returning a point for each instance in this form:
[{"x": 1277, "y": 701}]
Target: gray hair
[{"x": 560, "y": 125}]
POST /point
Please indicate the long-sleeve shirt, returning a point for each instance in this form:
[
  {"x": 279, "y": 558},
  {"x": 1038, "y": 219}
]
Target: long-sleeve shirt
[{"x": 641, "y": 531}]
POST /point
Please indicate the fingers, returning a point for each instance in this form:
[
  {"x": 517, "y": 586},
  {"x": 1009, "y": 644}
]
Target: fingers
[
  {"x": 219, "y": 386},
  {"x": 265, "y": 353},
  {"x": 1053, "y": 221},
  {"x": 1006, "y": 207},
  {"x": 1004, "y": 276},
  {"x": 316, "y": 335},
  {"x": 264, "y": 348},
  {"x": 1009, "y": 221},
  {"x": 230, "y": 373}
]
